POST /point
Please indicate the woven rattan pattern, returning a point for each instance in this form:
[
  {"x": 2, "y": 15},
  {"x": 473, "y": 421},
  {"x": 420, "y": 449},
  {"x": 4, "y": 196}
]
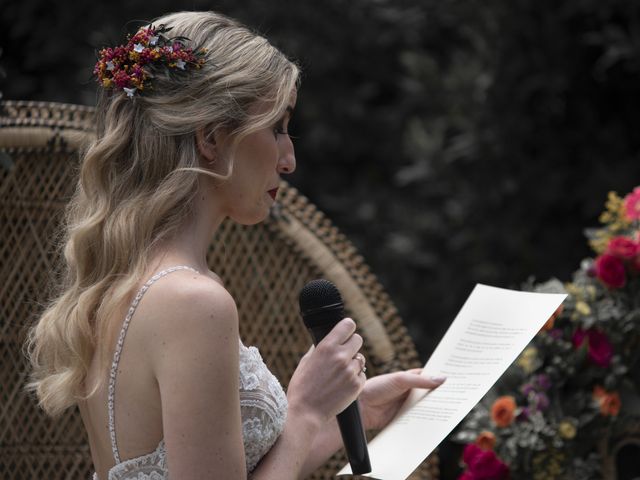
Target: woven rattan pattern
[{"x": 263, "y": 266}]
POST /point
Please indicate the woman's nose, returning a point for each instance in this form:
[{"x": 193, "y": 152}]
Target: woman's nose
[{"x": 287, "y": 160}]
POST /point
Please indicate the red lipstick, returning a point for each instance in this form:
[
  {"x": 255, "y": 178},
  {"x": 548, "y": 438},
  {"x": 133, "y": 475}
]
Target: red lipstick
[{"x": 273, "y": 192}]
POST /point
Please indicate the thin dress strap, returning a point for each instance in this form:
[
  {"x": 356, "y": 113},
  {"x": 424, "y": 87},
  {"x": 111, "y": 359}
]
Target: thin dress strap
[{"x": 116, "y": 355}]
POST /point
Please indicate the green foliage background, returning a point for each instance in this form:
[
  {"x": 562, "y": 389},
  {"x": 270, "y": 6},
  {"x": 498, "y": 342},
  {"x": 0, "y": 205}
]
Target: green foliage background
[{"x": 454, "y": 141}]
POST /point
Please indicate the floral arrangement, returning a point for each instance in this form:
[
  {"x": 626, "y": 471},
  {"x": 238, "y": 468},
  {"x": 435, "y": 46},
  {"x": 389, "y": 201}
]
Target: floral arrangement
[
  {"x": 576, "y": 384},
  {"x": 126, "y": 67}
]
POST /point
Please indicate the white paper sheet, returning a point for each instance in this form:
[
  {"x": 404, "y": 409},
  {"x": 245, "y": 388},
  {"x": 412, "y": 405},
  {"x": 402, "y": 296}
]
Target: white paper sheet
[{"x": 490, "y": 331}]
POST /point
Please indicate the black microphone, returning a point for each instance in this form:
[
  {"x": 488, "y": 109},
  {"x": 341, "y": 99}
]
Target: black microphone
[{"x": 321, "y": 308}]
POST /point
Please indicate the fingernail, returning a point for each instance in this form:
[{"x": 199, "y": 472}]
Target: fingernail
[{"x": 438, "y": 379}]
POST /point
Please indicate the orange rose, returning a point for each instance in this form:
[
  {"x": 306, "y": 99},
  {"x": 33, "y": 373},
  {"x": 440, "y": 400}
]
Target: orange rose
[
  {"x": 486, "y": 440},
  {"x": 598, "y": 392},
  {"x": 549, "y": 323},
  {"x": 609, "y": 402},
  {"x": 552, "y": 319},
  {"x": 503, "y": 411},
  {"x": 611, "y": 405}
]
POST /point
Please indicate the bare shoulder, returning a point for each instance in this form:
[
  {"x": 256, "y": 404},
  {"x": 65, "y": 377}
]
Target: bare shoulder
[
  {"x": 216, "y": 277},
  {"x": 195, "y": 359},
  {"x": 187, "y": 308}
]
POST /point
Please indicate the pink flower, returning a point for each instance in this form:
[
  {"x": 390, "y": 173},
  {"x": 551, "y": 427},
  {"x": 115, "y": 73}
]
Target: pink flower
[
  {"x": 483, "y": 465},
  {"x": 600, "y": 349},
  {"x": 624, "y": 248},
  {"x": 632, "y": 204},
  {"x": 610, "y": 270}
]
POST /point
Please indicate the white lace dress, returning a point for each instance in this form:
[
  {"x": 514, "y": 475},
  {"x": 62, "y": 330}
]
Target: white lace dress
[{"x": 263, "y": 406}]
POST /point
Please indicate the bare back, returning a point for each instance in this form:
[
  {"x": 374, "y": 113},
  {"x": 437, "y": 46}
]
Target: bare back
[
  {"x": 130, "y": 438},
  {"x": 138, "y": 421}
]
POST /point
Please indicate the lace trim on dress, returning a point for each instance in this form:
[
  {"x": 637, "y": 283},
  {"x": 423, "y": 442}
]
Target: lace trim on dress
[
  {"x": 152, "y": 466},
  {"x": 263, "y": 404}
]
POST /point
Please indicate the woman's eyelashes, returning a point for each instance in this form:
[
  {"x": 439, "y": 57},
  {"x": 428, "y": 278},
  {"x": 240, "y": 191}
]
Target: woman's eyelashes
[
  {"x": 280, "y": 129},
  {"x": 283, "y": 128}
]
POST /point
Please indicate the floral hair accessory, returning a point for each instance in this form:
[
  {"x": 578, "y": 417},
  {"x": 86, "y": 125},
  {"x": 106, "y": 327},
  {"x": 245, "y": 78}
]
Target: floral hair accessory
[{"x": 123, "y": 67}]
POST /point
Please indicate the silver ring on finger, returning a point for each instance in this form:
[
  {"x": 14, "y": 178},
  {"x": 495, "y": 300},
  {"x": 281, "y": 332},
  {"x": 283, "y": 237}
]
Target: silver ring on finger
[{"x": 363, "y": 361}]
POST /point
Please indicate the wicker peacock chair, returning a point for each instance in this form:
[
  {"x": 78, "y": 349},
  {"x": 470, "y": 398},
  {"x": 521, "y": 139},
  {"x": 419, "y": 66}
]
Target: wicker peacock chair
[{"x": 264, "y": 267}]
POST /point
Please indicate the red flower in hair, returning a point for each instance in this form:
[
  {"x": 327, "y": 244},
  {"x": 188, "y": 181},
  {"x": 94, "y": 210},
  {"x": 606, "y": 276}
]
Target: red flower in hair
[{"x": 123, "y": 67}]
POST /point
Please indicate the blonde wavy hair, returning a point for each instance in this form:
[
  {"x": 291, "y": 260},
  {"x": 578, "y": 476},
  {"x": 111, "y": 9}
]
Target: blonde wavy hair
[{"x": 136, "y": 185}]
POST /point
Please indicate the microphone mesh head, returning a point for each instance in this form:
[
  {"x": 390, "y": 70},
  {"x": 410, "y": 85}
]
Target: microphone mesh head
[{"x": 317, "y": 294}]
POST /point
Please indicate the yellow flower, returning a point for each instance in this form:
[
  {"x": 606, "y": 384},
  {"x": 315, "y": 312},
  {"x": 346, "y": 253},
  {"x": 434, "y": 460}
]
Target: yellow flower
[
  {"x": 614, "y": 204},
  {"x": 599, "y": 244},
  {"x": 527, "y": 359},
  {"x": 567, "y": 429},
  {"x": 614, "y": 216},
  {"x": 582, "y": 308},
  {"x": 547, "y": 465}
]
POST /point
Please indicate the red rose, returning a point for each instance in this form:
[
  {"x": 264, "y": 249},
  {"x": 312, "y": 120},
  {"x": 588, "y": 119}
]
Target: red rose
[
  {"x": 489, "y": 467},
  {"x": 624, "y": 248},
  {"x": 610, "y": 270},
  {"x": 467, "y": 476},
  {"x": 483, "y": 465},
  {"x": 471, "y": 451},
  {"x": 600, "y": 349}
]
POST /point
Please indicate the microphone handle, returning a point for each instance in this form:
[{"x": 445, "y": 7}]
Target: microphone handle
[
  {"x": 349, "y": 421},
  {"x": 354, "y": 438}
]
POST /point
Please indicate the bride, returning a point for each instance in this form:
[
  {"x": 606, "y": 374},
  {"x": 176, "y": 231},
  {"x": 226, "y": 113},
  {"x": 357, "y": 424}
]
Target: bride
[{"x": 192, "y": 122}]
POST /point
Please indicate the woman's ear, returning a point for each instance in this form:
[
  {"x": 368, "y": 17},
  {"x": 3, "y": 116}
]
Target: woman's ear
[{"x": 206, "y": 144}]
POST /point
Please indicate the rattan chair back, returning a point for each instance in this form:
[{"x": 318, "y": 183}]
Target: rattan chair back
[{"x": 264, "y": 267}]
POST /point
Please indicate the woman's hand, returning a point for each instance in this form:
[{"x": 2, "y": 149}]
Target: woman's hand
[
  {"x": 328, "y": 377},
  {"x": 383, "y": 395}
]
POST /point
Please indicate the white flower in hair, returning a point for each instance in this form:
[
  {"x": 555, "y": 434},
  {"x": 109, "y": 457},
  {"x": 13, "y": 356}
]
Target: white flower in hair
[
  {"x": 153, "y": 40},
  {"x": 138, "y": 47},
  {"x": 129, "y": 91},
  {"x": 180, "y": 64},
  {"x": 110, "y": 65}
]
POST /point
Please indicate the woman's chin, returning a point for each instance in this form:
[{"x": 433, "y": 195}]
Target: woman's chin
[{"x": 252, "y": 219}]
